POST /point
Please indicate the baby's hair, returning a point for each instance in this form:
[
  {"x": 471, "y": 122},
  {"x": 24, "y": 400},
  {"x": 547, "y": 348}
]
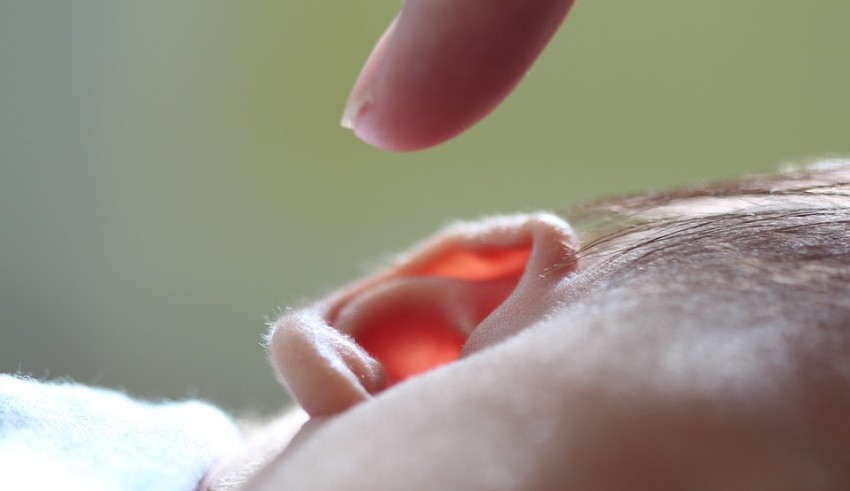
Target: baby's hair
[
  {"x": 761, "y": 249},
  {"x": 800, "y": 212}
]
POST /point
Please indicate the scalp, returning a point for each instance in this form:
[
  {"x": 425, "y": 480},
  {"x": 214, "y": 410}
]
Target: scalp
[{"x": 762, "y": 249}]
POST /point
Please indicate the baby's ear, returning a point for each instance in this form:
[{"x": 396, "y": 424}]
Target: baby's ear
[{"x": 471, "y": 285}]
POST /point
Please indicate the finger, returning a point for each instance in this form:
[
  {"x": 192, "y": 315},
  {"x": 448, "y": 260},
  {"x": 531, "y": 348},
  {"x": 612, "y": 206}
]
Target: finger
[{"x": 443, "y": 65}]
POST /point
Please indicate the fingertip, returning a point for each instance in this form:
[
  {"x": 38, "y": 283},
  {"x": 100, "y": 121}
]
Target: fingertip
[{"x": 443, "y": 65}]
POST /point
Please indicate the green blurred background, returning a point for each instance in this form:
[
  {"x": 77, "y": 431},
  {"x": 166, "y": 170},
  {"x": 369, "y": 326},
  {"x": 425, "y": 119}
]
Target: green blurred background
[{"x": 172, "y": 174}]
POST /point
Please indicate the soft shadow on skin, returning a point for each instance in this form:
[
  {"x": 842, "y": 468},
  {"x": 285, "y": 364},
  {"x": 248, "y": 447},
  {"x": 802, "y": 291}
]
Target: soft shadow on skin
[{"x": 699, "y": 339}]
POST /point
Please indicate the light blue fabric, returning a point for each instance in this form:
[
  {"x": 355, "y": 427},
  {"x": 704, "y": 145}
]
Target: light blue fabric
[{"x": 59, "y": 435}]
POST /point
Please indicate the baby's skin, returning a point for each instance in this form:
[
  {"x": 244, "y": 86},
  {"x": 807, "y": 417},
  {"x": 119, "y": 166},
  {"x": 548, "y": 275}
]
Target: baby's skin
[{"x": 702, "y": 343}]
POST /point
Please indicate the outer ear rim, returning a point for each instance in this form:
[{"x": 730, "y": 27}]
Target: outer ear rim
[
  {"x": 327, "y": 371},
  {"x": 553, "y": 258},
  {"x": 501, "y": 231}
]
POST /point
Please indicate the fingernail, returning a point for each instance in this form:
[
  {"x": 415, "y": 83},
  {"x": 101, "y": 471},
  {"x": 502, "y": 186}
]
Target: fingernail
[
  {"x": 363, "y": 91},
  {"x": 353, "y": 109}
]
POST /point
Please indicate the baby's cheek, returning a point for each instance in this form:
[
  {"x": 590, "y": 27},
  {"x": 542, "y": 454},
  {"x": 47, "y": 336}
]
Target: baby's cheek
[
  {"x": 262, "y": 443},
  {"x": 668, "y": 410},
  {"x": 570, "y": 405},
  {"x": 692, "y": 444}
]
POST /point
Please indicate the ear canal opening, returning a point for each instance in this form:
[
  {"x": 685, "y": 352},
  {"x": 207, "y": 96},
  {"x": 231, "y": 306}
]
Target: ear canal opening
[{"x": 428, "y": 312}]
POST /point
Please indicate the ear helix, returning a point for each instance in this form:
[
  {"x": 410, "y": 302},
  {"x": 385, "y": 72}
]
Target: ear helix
[{"x": 419, "y": 313}]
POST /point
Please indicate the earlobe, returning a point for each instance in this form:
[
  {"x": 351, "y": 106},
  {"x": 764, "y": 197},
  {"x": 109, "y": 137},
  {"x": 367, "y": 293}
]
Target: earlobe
[
  {"x": 324, "y": 370},
  {"x": 468, "y": 287}
]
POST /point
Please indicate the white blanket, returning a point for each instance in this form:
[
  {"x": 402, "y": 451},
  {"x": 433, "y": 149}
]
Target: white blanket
[{"x": 61, "y": 435}]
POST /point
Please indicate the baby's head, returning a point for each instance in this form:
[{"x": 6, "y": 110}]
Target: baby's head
[{"x": 696, "y": 339}]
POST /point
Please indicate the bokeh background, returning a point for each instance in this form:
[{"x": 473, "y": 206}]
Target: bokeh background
[{"x": 172, "y": 174}]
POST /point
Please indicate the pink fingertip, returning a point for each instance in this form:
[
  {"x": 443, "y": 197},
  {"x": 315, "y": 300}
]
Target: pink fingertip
[{"x": 443, "y": 65}]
